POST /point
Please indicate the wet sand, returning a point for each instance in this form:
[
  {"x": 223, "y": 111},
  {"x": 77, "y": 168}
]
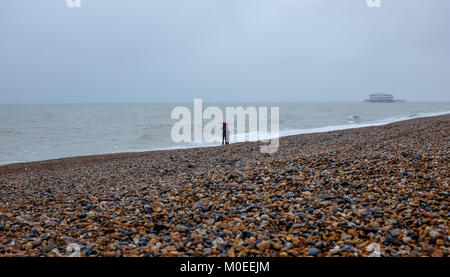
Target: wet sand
[{"x": 373, "y": 191}]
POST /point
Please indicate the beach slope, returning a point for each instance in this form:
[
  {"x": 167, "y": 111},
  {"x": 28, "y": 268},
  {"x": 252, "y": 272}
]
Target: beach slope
[{"x": 373, "y": 191}]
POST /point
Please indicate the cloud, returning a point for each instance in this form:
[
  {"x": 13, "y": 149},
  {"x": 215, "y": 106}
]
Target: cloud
[{"x": 234, "y": 50}]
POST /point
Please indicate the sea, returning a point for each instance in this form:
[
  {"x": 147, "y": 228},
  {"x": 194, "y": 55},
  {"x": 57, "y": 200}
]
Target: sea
[{"x": 42, "y": 132}]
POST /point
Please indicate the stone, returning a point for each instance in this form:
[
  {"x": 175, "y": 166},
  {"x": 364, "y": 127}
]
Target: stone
[
  {"x": 181, "y": 228},
  {"x": 264, "y": 245},
  {"x": 433, "y": 234},
  {"x": 393, "y": 233},
  {"x": 375, "y": 254},
  {"x": 406, "y": 240},
  {"x": 313, "y": 251},
  {"x": 346, "y": 248},
  {"x": 438, "y": 253},
  {"x": 373, "y": 247},
  {"x": 82, "y": 215}
]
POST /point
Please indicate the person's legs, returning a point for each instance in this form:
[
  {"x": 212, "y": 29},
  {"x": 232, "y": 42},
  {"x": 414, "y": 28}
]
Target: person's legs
[{"x": 227, "y": 136}]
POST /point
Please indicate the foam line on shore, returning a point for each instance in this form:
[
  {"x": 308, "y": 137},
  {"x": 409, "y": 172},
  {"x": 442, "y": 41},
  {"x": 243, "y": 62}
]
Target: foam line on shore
[
  {"x": 245, "y": 137},
  {"x": 380, "y": 122}
]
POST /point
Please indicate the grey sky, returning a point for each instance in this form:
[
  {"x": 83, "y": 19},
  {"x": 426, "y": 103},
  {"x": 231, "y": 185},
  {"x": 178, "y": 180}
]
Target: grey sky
[{"x": 233, "y": 50}]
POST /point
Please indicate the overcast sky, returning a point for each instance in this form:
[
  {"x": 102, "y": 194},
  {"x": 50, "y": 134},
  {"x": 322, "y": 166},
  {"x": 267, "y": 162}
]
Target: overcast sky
[{"x": 223, "y": 50}]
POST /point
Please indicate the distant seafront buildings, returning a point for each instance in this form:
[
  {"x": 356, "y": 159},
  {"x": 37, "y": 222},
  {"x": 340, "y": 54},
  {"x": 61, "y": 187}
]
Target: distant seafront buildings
[{"x": 382, "y": 98}]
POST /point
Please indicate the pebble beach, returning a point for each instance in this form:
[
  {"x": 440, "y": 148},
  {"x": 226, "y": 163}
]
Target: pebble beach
[{"x": 366, "y": 192}]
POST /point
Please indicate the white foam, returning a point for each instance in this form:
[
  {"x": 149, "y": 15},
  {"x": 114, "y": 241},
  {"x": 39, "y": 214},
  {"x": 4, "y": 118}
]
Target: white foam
[
  {"x": 10, "y": 162},
  {"x": 380, "y": 122},
  {"x": 254, "y": 137}
]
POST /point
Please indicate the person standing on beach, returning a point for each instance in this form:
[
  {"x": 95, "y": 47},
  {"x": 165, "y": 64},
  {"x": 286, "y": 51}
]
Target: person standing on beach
[{"x": 225, "y": 133}]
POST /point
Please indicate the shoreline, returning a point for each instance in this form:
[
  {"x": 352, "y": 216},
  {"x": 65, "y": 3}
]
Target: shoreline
[
  {"x": 370, "y": 191},
  {"x": 318, "y": 130}
]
